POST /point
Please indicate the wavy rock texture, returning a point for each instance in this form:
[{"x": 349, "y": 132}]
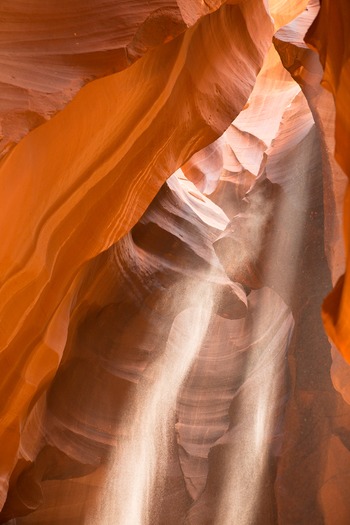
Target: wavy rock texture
[
  {"x": 48, "y": 52},
  {"x": 306, "y": 69},
  {"x": 161, "y": 337},
  {"x": 91, "y": 160},
  {"x": 334, "y": 56}
]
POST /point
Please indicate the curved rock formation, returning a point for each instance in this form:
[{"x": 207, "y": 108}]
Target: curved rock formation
[
  {"x": 334, "y": 56},
  {"x": 105, "y": 166},
  {"x": 49, "y": 52},
  {"x": 161, "y": 337}
]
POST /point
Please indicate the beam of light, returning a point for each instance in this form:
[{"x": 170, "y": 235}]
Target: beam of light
[
  {"x": 140, "y": 460},
  {"x": 250, "y": 443}
]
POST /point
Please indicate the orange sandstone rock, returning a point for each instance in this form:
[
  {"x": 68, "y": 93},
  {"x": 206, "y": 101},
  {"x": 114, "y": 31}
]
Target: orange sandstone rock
[
  {"x": 329, "y": 35},
  {"x": 88, "y": 306},
  {"x": 50, "y": 51},
  {"x": 76, "y": 185}
]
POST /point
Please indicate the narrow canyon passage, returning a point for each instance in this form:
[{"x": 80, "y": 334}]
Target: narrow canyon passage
[{"x": 172, "y": 219}]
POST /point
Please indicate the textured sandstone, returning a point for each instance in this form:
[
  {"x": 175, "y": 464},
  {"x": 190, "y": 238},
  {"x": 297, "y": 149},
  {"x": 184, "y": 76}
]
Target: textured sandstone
[
  {"x": 333, "y": 49},
  {"x": 48, "y": 52},
  {"x": 105, "y": 166},
  {"x": 163, "y": 349}
]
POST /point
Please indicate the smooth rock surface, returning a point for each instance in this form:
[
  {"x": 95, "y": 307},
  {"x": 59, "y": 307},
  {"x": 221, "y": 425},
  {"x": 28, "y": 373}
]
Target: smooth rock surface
[{"x": 168, "y": 237}]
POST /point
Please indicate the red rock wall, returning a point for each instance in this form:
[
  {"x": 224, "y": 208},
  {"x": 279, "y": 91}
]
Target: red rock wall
[
  {"x": 162, "y": 342},
  {"x": 91, "y": 154},
  {"x": 328, "y": 35}
]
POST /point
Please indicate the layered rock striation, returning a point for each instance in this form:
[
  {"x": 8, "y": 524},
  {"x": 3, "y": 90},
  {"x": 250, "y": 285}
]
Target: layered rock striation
[{"x": 168, "y": 238}]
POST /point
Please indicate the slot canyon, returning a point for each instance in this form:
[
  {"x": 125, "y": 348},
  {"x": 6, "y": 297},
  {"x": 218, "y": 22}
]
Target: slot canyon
[{"x": 175, "y": 275}]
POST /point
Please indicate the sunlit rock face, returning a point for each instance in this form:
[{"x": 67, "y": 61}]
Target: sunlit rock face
[
  {"x": 70, "y": 43},
  {"x": 169, "y": 235}
]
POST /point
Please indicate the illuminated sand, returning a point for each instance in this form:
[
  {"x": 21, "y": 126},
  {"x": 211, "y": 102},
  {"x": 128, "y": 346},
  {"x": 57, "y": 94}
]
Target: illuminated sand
[{"x": 164, "y": 259}]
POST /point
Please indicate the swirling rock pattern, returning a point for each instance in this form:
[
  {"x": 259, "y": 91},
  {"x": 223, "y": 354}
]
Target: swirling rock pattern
[
  {"x": 161, "y": 337},
  {"x": 90, "y": 172},
  {"x": 334, "y": 57},
  {"x": 48, "y": 52}
]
